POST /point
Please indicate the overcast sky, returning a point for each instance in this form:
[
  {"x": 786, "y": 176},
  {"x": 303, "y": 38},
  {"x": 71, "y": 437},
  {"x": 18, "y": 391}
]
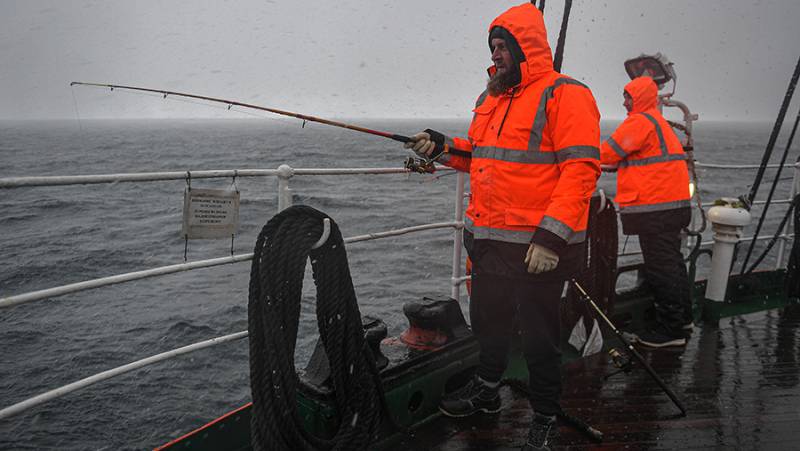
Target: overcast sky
[{"x": 368, "y": 58}]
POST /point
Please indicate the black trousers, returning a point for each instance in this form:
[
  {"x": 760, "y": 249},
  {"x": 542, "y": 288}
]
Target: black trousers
[
  {"x": 505, "y": 301},
  {"x": 665, "y": 273}
]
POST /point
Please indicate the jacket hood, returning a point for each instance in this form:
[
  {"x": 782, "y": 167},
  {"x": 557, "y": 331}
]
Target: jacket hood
[
  {"x": 526, "y": 25},
  {"x": 644, "y": 92}
]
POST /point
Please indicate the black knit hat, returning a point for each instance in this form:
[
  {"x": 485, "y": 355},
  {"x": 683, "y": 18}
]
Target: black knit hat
[{"x": 511, "y": 43}]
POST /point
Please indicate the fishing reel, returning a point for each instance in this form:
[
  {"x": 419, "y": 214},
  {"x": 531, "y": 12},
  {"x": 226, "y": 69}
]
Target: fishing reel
[
  {"x": 620, "y": 361},
  {"x": 420, "y": 165}
]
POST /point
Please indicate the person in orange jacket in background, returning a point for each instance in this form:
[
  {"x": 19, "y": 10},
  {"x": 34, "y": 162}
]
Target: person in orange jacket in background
[
  {"x": 532, "y": 153},
  {"x": 654, "y": 203}
]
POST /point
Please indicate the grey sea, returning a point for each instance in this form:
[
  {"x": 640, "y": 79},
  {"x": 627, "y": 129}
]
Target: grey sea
[{"x": 51, "y": 236}]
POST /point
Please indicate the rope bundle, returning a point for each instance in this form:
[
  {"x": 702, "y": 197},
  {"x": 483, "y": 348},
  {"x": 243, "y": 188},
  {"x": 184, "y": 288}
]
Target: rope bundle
[
  {"x": 599, "y": 271},
  {"x": 276, "y": 282}
]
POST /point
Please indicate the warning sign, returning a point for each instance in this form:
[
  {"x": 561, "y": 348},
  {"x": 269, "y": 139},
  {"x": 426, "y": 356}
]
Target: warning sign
[{"x": 210, "y": 213}]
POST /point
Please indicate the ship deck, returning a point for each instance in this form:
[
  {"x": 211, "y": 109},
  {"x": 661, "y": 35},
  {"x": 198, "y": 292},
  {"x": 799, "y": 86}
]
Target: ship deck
[{"x": 738, "y": 381}]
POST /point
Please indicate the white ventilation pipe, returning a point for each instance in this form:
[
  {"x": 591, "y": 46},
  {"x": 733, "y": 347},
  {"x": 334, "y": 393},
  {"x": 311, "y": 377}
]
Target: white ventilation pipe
[{"x": 727, "y": 222}]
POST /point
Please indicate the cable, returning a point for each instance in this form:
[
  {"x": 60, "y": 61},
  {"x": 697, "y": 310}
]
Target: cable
[
  {"x": 775, "y": 131},
  {"x": 771, "y": 193},
  {"x": 562, "y": 36},
  {"x": 775, "y": 237}
]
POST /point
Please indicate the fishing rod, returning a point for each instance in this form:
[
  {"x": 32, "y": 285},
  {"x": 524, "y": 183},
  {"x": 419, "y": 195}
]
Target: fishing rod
[
  {"x": 417, "y": 165},
  {"x": 629, "y": 348}
]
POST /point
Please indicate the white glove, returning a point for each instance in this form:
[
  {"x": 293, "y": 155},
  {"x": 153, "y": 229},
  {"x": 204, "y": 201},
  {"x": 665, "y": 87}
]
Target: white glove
[
  {"x": 540, "y": 259},
  {"x": 421, "y": 144}
]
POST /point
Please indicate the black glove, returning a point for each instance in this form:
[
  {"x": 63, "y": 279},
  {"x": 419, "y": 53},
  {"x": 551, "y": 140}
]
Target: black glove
[{"x": 428, "y": 144}]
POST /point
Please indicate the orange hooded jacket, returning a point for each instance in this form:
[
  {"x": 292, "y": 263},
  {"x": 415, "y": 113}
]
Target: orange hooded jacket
[
  {"x": 534, "y": 150},
  {"x": 652, "y": 173}
]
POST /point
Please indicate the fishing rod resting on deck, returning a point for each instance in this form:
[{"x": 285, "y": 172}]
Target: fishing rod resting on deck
[
  {"x": 629, "y": 347},
  {"x": 417, "y": 165}
]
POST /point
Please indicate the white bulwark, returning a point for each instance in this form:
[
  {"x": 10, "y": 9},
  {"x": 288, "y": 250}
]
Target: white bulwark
[{"x": 210, "y": 213}]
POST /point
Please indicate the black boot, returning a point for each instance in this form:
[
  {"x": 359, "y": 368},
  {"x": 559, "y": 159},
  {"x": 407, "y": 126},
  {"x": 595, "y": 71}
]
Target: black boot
[
  {"x": 661, "y": 337},
  {"x": 474, "y": 397},
  {"x": 538, "y": 433}
]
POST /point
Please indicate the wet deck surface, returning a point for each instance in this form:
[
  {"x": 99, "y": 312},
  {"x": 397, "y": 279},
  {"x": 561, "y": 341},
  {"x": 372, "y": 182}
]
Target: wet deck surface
[{"x": 740, "y": 384}]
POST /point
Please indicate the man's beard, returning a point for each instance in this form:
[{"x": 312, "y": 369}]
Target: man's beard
[{"x": 501, "y": 82}]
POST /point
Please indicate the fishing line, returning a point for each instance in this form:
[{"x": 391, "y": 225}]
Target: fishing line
[
  {"x": 81, "y": 131},
  {"x": 199, "y": 103},
  {"x": 77, "y": 113},
  {"x": 437, "y": 177}
]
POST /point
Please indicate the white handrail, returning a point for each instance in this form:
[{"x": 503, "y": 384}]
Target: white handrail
[
  {"x": 171, "y": 269},
  {"x": 395, "y": 232},
  {"x": 741, "y": 166},
  {"x": 458, "y": 238},
  {"x": 85, "y": 382},
  {"x": 708, "y": 243},
  {"x": 119, "y": 278},
  {"x": 17, "y": 182},
  {"x": 757, "y": 202}
]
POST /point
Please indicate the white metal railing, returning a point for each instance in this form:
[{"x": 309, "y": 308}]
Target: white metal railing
[
  {"x": 783, "y": 237},
  {"x": 709, "y": 243},
  {"x": 181, "y": 267},
  {"x": 757, "y": 202},
  {"x": 787, "y": 232},
  {"x": 742, "y": 166},
  {"x": 108, "y": 374},
  {"x": 284, "y": 173}
]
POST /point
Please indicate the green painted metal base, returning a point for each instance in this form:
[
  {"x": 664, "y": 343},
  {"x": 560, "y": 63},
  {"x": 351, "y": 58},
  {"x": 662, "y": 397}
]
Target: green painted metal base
[{"x": 754, "y": 292}]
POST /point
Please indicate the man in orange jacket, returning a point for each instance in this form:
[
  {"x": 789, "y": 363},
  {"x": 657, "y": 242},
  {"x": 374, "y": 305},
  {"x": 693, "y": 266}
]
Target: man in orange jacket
[
  {"x": 654, "y": 203},
  {"x": 532, "y": 153}
]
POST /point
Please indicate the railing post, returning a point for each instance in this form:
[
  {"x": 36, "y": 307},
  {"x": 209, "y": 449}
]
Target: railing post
[
  {"x": 728, "y": 222},
  {"x": 458, "y": 236},
  {"x": 285, "y": 172},
  {"x": 788, "y": 228}
]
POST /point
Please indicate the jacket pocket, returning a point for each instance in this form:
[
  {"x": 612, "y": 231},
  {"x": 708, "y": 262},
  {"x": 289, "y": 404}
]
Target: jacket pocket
[
  {"x": 523, "y": 217},
  {"x": 481, "y": 117},
  {"x": 626, "y": 197}
]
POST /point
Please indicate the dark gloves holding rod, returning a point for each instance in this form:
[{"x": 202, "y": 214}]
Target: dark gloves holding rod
[{"x": 428, "y": 144}]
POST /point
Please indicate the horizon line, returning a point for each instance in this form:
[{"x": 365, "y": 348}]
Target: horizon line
[{"x": 343, "y": 118}]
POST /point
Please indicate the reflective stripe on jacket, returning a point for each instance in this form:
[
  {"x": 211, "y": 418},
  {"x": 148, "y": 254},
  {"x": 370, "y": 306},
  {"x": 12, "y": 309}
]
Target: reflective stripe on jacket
[
  {"x": 652, "y": 174},
  {"x": 535, "y": 149}
]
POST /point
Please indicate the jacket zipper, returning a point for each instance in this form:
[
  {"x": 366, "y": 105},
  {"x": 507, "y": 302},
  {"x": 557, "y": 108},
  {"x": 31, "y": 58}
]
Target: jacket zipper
[{"x": 511, "y": 99}]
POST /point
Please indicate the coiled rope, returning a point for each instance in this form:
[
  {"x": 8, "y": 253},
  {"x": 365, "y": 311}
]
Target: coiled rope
[
  {"x": 599, "y": 270},
  {"x": 276, "y": 282}
]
